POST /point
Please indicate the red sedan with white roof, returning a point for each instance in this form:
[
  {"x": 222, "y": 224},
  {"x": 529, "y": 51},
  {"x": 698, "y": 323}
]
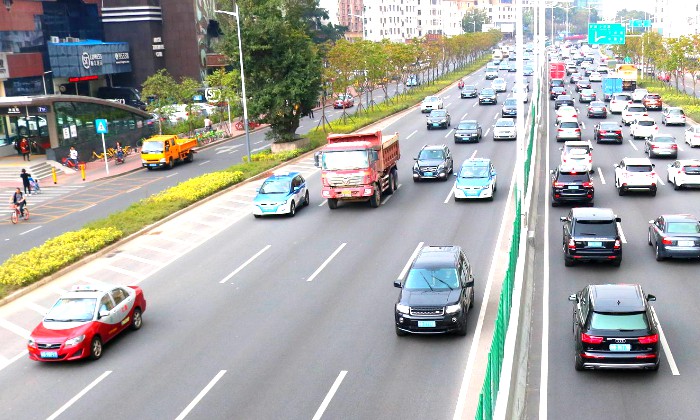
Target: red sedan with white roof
[{"x": 83, "y": 320}]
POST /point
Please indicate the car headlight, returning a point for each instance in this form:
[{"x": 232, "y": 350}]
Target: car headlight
[
  {"x": 444, "y": 120},
  {"x": 441, "y": 167},
  {"x": 75, "y": 340},
  {"x": 143, "y": 161},
  {"x": 162, "y": 160},
  {"x": 402, "y": 308},
  {"x": 415, "y": 166},
  {"x": 31, "y": 342},
  {"x": 452, "y": 309}
]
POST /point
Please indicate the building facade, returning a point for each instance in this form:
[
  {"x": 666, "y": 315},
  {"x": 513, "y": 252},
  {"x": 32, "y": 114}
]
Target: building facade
[
  {"x": 673, "y": 20},
  {"x": 351, "y": 14},
  {"x": 401, "y": 20}
]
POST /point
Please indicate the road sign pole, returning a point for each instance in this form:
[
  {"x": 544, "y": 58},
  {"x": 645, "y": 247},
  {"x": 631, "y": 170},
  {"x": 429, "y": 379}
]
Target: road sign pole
[{"x": 104, "y": 152}]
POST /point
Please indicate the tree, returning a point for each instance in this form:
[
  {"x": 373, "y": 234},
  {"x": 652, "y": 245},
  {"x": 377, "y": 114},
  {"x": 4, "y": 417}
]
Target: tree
[
  {"x": 229, "y": 84},
  {"x": 282, "y": 64},
  {"x": 474, "y": 20}
]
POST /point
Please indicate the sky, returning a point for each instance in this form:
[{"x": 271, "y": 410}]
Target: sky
[{"x": 332, "y": 7}]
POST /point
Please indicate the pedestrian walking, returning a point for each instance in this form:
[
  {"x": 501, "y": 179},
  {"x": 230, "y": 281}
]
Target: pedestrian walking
[
  {"x": 24, "y": 148},
  {"x": 311, "y": 113},
  {"x": 25, "y": 181}
]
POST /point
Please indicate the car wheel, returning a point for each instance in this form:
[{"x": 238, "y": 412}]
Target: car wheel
[
  {"x": 137, "y": 319},
  {"x": 257, "y": 216},
  {"x": 471, "y": 299},
  {"x": 306, "y": 198},
  {"x": 96, "y": 348},
  {"x": 649, "y": 237},
  {"x": 676, "y": 186},
  {"x": 657, "y": 253},
  {"x": 292, "y": 209},
  {"x": 652, "y": 192},
  {"x": 462, "y": 331},
  {"x": 376, "y": 199},
  {"x": 620, "y": 191},
  {"x": 568, "y": 262},
  {"x": 332, "y": 203},
  {"x": 400, "y": 332},
  {"x": 578, "y": 363},
  {"x": 617, "y": 262}
]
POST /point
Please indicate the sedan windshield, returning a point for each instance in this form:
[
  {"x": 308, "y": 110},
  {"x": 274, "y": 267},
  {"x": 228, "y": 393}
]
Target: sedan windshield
[
  {"x": 664, "y": 140},
  {"x": 505, "y": 123},
  {"x": 467, "y": 126},
  {"x": 619, "y": 322},
  {"x": 474, "y": 172},
  {"x": 432, "y": 278},
  {"x": 353, "y": 159},
  {"x": 72, "y": 310},
  {"x": 275, "y": 186},
  {"x": 683, "y": 227}
]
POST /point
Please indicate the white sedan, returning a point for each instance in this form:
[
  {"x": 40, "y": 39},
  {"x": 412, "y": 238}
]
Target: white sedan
[
  {"x": 595, "y": 77},
  {"x": 643, "y": 127},
  {"x": 684, "y": 173},
  {"x": 430, "y": 103},
  {"x": 504, "y": 129}
]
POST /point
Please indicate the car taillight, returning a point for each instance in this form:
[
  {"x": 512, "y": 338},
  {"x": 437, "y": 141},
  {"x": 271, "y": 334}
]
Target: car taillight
[
  {"x": 674, "y": 146},
  {"x": 667, "y": 241},
  {"x": 649, "y": 339},
  {"x": 560, "y": 129},
  {"x": 572, "y": 244},
  {"x": 558, "y": 184},
  {"x": 588, "y": 184},
  {"x": 653, "y": 146},
  {"x": 592, "y": 339},
  {"x": 617, "y": 244},
  {"x": 618, "y": 132},
  {"x": 578, "y": 130}
]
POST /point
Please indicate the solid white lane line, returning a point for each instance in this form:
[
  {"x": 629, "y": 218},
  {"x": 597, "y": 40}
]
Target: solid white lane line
[
  {"x": 85, "y": 390},
  {"x": 242, "y": 266},
  {"x": 30, "y": 230},
  {"x": 14, "y": 359},
  {"x": 88, "y": 207},
  {"x": 171, "y": 175},
  {"x": 473, "y": 154},
  {"x": 449, "y": 195},
  {"x": 448, "y": 105},
  {"x": 667, "y": 349},
  {"x": 410, "y": 260},
  {"x": 600, "y": 174},
  {"x": 633, "y": 145},
  {"x": 583, "y": 125},
  {"x": 14, "y": 328},
  {"x": 323, "y": 203},
  {"x": 133, "y": 189},
  {"x": 201, "y": 395},
  {"x": 325, "y": 263},
  {"x": 204, "y": 163},
  {"x": 449, "y": 133},
  {"x": 36, "y": 308},
  {"x": 465, "y": 115},
  {"x": 622, "y": 234},
  {"x": 475, "y": 104},
  {"x": 329, "y": 396},
  {"x": 487, "y": 131},
  {"x": 495, "y": 117},
  {"x": 411, "y": 135}
]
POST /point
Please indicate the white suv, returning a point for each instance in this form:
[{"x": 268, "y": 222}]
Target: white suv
[
  {"x": 577, "y": 154},
  {"x": 639, "y": 94},
  {"x": 684, "y": 173},
  {"x": 643, "y": 127},
  {"x": 673, "y": 115},
  {"x": 618, "y": 102},
  {"x": 430, "y": 103},
  {"x": 633, "y": 112},
  {"x": 635, "y": 174}
]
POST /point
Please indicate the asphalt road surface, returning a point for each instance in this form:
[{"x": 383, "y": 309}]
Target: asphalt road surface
[
  {"x": 555, "y": 389},
  {"x": 283, "y": 317}
]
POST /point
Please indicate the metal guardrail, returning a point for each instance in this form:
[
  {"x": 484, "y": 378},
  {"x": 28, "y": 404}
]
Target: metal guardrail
[{"x": 492, "y": 378}]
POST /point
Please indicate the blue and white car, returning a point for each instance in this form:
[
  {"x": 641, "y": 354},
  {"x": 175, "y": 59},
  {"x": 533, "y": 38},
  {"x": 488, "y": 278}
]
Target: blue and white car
[
  {"x": 282, "y": 193},
  {"x": 476, "y": 179}
]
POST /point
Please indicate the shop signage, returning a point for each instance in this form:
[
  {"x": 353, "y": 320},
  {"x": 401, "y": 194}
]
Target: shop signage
[
  {"x": 11, "y": 110},
  {"x": 91, "y": 60},
  {"x": 121, "y": 58},
  {"x": 86, "y": 59},
  {"x": 82, "y": 79}
]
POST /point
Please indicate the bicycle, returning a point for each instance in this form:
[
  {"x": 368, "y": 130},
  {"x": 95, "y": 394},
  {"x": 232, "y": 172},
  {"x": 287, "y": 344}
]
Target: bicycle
[
  {"x": 252, "y": 125},
  {"x": 16, "y": 215},
  {"x": 100, "y": 156}
]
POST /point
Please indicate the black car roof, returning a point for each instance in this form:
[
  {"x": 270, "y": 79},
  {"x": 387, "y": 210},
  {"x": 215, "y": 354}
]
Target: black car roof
[
  {"x": 437, "y": 256},
  {"x": 592, "y": 213},
  {"x": 617, "y": 298}
]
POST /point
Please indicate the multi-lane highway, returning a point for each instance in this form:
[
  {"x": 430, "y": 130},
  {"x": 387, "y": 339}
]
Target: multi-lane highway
[
  {"x": 555, "y": 389},
  {"x": 282, "y": 317}
]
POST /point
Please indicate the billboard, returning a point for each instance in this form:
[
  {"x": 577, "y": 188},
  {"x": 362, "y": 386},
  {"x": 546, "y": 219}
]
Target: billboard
[{"x": 89, "y": 58}]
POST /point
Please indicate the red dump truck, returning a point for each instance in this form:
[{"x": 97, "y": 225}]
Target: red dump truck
[
  {"x": 358, "y": 167},
  {"x": 557, "y": 70}
]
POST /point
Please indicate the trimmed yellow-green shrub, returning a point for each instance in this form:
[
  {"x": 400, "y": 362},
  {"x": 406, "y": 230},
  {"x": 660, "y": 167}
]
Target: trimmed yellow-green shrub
[
  {"x": 195, "y": 189},
  {"x": 54, "y": 254}
]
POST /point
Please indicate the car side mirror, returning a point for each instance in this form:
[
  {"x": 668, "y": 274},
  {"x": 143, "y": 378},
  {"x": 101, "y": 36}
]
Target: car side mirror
[
  {"x": 551, "y": 171},
  {"x": 616, "y": 165},
  {"x": 563, "y": 218},
  {"x": 469, "y": 283},
  {"x": 651, "y": 298},
  {"x": 317, "y": 159},
  {"x": 653, "y": 165},
  {"x": 416, "y": 159},
  {"x": 573, "y": 298},
  {"x": 397, "y": 284},
  {"x": 651, "y": 222},
  {"x": 103, "y": 314},
  {"x": 618, "y": 220},
  {"x": 561, "y": 148}
]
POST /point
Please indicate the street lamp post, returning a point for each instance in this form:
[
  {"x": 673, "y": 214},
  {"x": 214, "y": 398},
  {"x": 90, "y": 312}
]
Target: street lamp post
[{"x": 237, "y": 15}]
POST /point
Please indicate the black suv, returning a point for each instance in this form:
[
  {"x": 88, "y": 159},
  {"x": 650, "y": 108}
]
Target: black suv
[
  {"x": 591, "y": 234},
  {"x": 571, "y": 185},
  {"x": 562, "y": 100},
  {"x": 433, "y": 162},
  {"x": 436, "y": 294},
  {"x": 615, "y": 327}
]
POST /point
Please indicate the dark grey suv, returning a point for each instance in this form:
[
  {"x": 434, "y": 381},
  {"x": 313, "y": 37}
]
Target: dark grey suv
[
  {"x": 436, "y": 294},
  {"x": 433, "y": 162}
]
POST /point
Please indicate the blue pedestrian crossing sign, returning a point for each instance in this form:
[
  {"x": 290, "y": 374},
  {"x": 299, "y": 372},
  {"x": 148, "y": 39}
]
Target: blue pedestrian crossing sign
[{"x": 101, "y": 126}]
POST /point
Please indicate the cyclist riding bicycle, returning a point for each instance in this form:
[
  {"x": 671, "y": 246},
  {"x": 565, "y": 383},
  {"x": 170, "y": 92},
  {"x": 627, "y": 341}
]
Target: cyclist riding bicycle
[{"x": 18, "y": 201}]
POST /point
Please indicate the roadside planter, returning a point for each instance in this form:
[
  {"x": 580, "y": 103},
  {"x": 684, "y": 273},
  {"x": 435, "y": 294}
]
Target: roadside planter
[{"x": 301, "y": 143}]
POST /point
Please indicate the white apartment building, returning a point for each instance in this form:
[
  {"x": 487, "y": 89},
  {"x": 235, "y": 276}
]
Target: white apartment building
[
  {"x": 673, "y": 18},
  {"x": 400, "y": 20},
  {"x": 502, "y": 15}
]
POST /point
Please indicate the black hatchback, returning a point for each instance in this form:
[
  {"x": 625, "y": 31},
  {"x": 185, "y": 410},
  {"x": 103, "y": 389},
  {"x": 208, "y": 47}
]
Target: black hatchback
[
  {"x": 437, "y": 293},
  {"x": 615, "y": 327},
  {"x": 571, "y": 185},
  {"x": 607, "y": 132},
  {"x": 591, "y": 234}
]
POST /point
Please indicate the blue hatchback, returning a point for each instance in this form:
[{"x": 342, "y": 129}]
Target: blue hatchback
[
  {"x": 282, "y": 193},
  {"x": 475, "y": 179}
]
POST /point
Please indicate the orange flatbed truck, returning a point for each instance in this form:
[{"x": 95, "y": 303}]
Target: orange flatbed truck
[
  {"x": 163, "y": 151},
  {"x": 358, "y": 167}
]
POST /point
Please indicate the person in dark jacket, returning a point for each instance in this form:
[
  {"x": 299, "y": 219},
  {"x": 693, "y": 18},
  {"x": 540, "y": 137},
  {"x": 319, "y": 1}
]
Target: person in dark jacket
[{"x": 25, "y": 181}]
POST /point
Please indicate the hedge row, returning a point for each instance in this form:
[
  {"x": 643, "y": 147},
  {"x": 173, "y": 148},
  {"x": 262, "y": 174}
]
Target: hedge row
[
  {"x": 30, "y": 266},
  {"x": 673, "y": 97}
]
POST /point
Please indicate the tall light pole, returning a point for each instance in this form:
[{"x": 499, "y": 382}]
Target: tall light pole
[{"x": 237, "y": 15}]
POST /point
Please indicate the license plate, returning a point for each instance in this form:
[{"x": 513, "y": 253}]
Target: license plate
[
  {"x": 595, "y": 244},
  {"x": 686, "y": 243},
  {"x": 346, "y": 193},
  {"x": 573, "y": 187},
  {"x": 428, "y": 174},
  {"x": 153, "y": 165},
  {"x": 49, "y": 355},
  {"x": 620, "y": 347},
  {"x": 426, "y": 324},
  {"x": 436, "y": 124}
]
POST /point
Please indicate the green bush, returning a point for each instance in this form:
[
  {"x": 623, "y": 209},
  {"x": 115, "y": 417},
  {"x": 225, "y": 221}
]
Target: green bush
[{"x": 673, "y": 97}]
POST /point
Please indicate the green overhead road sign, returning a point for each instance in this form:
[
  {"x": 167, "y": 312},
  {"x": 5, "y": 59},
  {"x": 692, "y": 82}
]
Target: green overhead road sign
[{"x": 606, "y": 33}]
